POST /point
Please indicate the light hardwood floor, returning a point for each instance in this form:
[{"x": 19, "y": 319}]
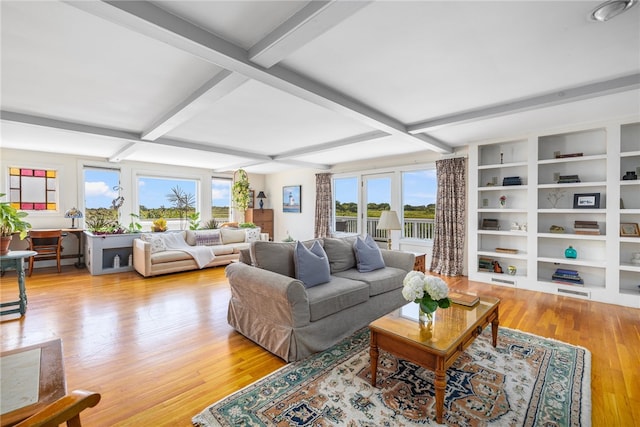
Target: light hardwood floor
[{"x": 159, "y": 350}]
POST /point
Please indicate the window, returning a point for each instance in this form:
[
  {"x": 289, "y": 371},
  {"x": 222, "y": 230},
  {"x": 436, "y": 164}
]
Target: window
[
  {"x": 169, "y": 198},
  {"x": 221, "y": 199},
  {"x": 419, "y": 192},
  {"x": 346, "y": 204},
  {"x": 33, "y": 189},
  {"x": 101, "y": 192}
]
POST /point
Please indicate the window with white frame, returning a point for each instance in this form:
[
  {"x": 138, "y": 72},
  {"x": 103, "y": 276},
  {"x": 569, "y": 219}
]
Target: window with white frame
[
  {"x": 172, "y": 199},
  {"x": 419, "y": 192},
  {"x": 221, "y": 200},
  {"x": 101, "y": 196}
]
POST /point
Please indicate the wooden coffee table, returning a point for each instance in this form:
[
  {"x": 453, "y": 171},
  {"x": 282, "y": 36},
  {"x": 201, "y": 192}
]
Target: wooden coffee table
[{"x": 436, "y": 347}]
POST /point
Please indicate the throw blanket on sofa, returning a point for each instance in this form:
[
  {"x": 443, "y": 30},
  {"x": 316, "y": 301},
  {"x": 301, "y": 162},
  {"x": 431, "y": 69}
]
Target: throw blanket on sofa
[{"x": 203, "y": 255}]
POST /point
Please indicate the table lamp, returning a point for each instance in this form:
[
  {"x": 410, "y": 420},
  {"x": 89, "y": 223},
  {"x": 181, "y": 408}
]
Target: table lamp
[
  {"x": 389, "y": 221},
  {"x": 261, "y": 196},
  {"x": 73, "y": 213}
]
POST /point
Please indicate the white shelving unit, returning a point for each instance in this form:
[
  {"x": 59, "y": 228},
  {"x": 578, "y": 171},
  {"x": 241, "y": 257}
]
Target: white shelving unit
[{"x": 602, "y": 155}]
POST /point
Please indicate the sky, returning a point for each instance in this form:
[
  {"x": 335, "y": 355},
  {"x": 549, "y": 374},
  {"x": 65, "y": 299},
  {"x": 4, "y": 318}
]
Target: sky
[{"x": 101, "y": 187}]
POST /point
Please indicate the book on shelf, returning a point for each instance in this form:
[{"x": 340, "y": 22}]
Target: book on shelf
[
  {"x": 564, "y": 156},
  {"x": 511, "y": 180},
  {"x": 462, "y": 298},
  {"x": 566, "y": 271},
  {"x": 595, "y": 232},
  {"x": 569, "y": 282}
]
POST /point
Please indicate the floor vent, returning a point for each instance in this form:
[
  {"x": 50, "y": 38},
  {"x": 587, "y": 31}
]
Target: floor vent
[
  {"x": 503, "y": 281},
  {"x": 573, "y": 293}
]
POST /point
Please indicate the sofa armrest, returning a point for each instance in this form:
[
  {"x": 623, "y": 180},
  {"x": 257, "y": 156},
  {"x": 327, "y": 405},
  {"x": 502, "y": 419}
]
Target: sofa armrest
[
  {"x": 399, "y": 259},
  {"x": 274, "y": 297},
  {"x": 142, "y": 257}
]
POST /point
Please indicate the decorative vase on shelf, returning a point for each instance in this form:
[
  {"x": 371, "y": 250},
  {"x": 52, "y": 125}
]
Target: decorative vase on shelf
[
  {"x": 570, "y": 252},
  {"x": 503, "y": 201},
  {"x": 512, "y": 270}
]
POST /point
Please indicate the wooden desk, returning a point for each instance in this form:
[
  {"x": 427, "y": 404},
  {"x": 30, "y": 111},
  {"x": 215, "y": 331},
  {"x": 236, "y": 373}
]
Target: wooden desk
[
  {"x": 32, "y": 378},
  {"x": 436, "y": 347},
  {"x": 79, "y": 233},
  {"x": 15, "y": 260}
]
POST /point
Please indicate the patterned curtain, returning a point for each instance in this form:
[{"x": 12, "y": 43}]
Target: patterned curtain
[
  {"x": 448, "y": 240},
  {"x": 324, "y": 202}
]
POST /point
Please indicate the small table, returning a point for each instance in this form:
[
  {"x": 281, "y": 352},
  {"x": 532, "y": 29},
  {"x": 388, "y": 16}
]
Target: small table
[
  {"x": 435, "y": 347},
  {"x": 15, "y": 260},
  {"x": 32, "y": 378},
  {"x": 420, "y": 263}
]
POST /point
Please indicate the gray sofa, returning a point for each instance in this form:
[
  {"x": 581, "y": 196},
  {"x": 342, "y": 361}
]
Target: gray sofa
[
  {"x": 275, "y": 310},
  {"x": 151, "y": 259}
]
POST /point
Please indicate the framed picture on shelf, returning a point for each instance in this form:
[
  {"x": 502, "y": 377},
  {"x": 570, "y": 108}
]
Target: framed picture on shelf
[
  {"x": 252, "y": 194},
  {"x": 291, "y": 198},
  {"x": 586, "y": 201},
  {"x": 629, "y": 229}
]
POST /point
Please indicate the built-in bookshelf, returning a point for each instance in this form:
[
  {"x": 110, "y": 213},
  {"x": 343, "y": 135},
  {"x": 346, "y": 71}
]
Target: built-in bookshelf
[{"x": 570, "y": 192}]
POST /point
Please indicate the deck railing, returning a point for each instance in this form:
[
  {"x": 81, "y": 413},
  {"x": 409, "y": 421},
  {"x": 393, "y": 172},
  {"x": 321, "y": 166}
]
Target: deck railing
[{"x": 414, "y": 228}]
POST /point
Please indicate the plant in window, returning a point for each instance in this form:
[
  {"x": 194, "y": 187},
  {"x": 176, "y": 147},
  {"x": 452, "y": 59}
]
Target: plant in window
[
  {"x": 183, "y": 202},
  {"x": 247, "y": 225},
  {"x": 102, "y": 222},
  {"x": 11, "y": 221},
  {"x": 134, "y": 225},
  {"x": 211, "y": 224},
  {"x": 194, "y": 221},
  {"x": 240, "y": 192},
  {"x": 159, "y": 225}
]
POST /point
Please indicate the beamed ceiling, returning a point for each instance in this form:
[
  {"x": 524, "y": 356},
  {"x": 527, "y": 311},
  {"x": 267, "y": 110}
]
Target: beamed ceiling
[{"x": 275, "y": 85}]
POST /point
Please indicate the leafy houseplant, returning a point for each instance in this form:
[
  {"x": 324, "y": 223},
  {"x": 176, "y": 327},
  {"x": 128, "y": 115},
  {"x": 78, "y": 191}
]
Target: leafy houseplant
[
  {"x": 240, "y": 192},
  {"x": 11, "y": 222},
  {"x": 159, "y": 225}
]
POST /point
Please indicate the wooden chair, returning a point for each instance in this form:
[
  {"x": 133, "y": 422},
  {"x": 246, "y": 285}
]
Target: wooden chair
[
  {"x": 66, "y": 409},
  {"x": 47, "y": 244}
]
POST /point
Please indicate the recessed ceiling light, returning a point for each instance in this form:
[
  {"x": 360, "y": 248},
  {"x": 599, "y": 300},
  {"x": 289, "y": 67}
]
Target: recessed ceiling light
[{"x": 611, "y": 8}]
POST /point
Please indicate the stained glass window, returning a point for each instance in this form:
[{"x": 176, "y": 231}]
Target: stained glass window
[{"x": 33, "y": 189}]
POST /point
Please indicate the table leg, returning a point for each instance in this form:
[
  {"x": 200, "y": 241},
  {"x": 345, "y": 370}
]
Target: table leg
[
  {"x": 373, "y": 353},
  {"x": 21, "y": 286},
  {"x": 494, "y": 331},
  {"x": 440, "y": 385}
]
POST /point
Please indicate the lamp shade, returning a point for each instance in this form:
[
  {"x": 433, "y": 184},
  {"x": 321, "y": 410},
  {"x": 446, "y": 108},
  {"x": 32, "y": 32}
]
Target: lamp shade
[
  {"x": 389, "y": 221},
  {"x": 261, "y": 195},
  {"x": 73, "y": 213}
]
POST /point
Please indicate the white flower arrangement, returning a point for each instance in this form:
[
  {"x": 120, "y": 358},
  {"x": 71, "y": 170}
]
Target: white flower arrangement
[{"x": 430, "y": 292}]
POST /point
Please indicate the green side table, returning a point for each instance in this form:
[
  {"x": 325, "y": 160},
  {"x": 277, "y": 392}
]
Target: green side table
[{"x": 15, "y": 260}]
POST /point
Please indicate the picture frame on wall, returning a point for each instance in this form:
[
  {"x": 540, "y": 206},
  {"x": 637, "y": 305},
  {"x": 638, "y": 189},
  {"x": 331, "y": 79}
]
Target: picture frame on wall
[
  {"x": 292, "y": 198},
  {"x": 586, "y": 201},
  {"x": 629, "y": 229},
  {"x": 252, "y": 194}
]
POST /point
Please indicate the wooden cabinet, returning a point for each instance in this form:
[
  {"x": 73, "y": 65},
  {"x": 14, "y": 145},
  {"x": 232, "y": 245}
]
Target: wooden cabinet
[{"x": 263, "y": 218}]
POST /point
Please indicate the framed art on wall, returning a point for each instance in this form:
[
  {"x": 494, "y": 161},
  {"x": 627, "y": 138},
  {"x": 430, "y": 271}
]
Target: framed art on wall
[
  {"x": 586, "y": 201},
  {"x": 291, "y": 198}
]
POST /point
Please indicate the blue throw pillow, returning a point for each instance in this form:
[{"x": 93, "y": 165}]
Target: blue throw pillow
[
  {"x": 368, "y": 255},
  {"x": 312, "y": 265}
]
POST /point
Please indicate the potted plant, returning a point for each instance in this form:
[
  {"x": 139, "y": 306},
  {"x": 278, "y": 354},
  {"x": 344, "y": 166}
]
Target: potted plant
[
  {"x": 159, "y": 225},
  {"x": 11, "y": 222},
  {"x": 240, "y": 192}
]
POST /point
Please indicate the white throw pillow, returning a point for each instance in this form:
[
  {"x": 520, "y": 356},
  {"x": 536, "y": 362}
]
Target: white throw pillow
[
  {"x": 156, "y": 241},
  {"x": 252, "y": 235}
]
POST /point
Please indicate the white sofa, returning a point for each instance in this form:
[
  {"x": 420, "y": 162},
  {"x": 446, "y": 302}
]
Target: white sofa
[{"x": 151, "y": 257}]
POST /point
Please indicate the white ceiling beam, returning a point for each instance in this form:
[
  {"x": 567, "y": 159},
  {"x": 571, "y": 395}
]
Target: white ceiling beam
[
  {"x": 154, "y": 22},
  {"x": 593, "y": 90},
  {"x": 131, "y": 137},
  {"x": 124, "y": 152},
  {"x": 313, "y": 20},
  {"x": 216, "y": 88},
  {"x": 331, "y": 145}
]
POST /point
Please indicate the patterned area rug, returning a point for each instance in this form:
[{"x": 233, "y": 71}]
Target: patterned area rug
[{"x": 526, "y": 381}]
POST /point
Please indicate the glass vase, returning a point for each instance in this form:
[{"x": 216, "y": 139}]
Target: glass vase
[{"x": 425, "y": 317}]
